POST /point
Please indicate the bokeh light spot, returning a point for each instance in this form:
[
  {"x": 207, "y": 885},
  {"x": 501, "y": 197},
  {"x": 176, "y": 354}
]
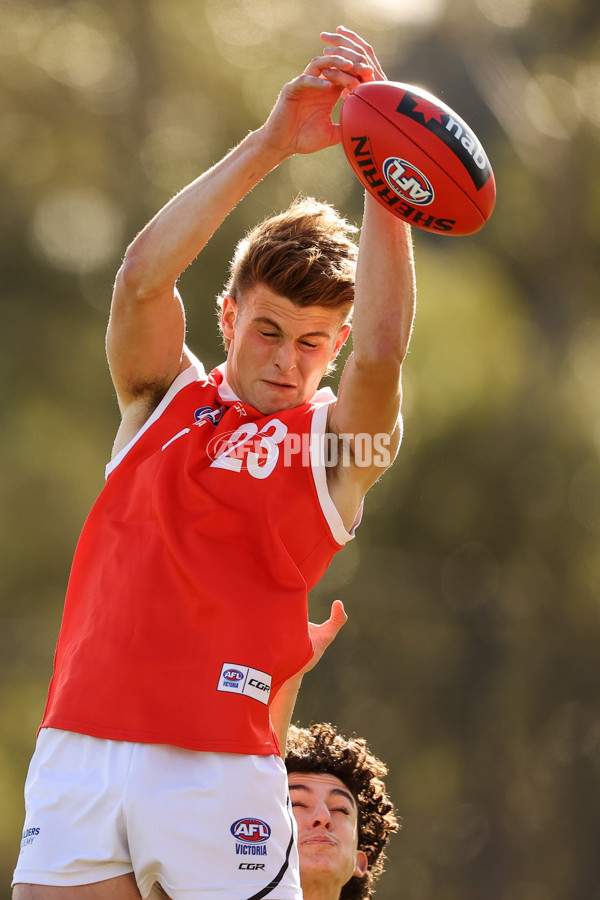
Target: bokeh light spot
[{"x": 77, "y": 229}]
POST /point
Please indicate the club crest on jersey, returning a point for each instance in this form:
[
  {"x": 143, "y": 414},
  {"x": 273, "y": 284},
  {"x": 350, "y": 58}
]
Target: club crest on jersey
[
  {"x": 251, "y": 834},
  {"x": 408, "y": 182},
  {"x": 208, "y": 414}
]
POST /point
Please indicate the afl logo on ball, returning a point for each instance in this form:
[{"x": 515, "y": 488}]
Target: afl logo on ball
[
  {"x": 251, "y": 831},
  {"x": 408, "y": 182}
]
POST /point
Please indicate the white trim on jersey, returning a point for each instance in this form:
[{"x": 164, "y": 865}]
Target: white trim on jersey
[
  {"x": 195, "y": 372},
  {"x": 228, "y": 395},
  {"x": 319, "y": 470}
]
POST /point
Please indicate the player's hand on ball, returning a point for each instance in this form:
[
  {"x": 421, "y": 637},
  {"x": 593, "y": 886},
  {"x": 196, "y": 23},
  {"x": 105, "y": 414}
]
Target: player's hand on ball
[{"x": 300, "y": 121}]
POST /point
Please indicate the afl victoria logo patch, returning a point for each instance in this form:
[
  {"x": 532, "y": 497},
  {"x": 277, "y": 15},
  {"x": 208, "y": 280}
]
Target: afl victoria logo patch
[{"x": 253, "y": 683}]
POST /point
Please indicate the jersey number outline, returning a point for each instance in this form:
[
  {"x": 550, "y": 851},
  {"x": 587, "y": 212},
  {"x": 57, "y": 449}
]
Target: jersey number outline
[{"x": 270, "y": 435}]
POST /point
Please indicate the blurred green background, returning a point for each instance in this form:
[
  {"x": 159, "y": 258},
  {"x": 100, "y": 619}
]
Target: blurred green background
[{"x": 471, "y": 658}]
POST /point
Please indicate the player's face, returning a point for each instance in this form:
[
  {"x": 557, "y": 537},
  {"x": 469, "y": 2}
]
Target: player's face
[
  {"x": 279, "y": 351},
  {"x": 327, "y": 820}
]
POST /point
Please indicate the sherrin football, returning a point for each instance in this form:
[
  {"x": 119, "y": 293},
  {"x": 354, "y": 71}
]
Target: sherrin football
[{"x": 417, "y": 157}]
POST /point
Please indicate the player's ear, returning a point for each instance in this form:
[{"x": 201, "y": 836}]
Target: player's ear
[
  {"x": 361, "y": 864},
  {"x": 341, "y": 339},
  {"x": 229, "y": 311}
]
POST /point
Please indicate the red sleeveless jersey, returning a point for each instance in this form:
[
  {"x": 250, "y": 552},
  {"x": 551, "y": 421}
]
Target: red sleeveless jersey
[{"x": 187, "y": 602}]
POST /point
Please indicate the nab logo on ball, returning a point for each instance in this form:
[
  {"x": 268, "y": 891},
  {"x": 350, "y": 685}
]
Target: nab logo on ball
[
  {"x": 408, "y": 182},
  {"x": 451, "y": 130}
]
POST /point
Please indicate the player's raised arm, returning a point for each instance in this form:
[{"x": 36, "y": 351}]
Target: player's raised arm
[
  {"x": 367, "y": 414},
  {"x": 145, "y": 341}
]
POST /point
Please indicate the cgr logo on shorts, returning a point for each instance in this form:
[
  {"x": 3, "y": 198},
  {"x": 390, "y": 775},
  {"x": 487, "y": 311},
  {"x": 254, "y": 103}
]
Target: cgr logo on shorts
[{"x": 252, "y": 835}]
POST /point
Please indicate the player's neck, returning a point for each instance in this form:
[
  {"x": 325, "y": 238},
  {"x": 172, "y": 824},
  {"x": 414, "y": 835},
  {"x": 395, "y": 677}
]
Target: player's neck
[{"x": 320, "y": 886}]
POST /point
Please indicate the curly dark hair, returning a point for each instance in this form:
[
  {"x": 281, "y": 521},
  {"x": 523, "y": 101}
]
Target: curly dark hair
[{"x": 320, "y": 749}]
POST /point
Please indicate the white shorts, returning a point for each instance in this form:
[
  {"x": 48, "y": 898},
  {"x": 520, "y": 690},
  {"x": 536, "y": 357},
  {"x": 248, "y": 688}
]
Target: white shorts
[{"x": 200, "y": 824}]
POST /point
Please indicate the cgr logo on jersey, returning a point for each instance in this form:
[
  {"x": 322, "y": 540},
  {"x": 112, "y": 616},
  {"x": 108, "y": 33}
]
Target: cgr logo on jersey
[
  {"x": 208, "y": 414},
  {"x": 252, "y": 834},
  {"x": 408, "y": 182}
]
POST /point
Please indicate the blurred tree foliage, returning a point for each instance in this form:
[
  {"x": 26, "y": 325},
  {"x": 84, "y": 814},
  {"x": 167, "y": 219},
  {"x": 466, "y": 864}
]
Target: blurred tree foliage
[{"x": 470, "y": 661}]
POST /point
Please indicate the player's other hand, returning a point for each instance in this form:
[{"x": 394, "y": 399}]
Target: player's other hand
[{"x": 323, "y": 635}]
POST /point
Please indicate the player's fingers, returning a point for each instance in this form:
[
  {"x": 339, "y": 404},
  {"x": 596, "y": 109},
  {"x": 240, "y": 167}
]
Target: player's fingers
[
  {"x": 361, "y": 67},
  {"x": 343, "y": 46},
  {"x": 318, "y": 64},
  {"x": 338, "y": 613},
  {"x": 325, "y": 71},
  {"x": 342, "y": 80},
  {"x": 356, "y": 39},
  {"x": 346, "y": 51},
  {"x": 351, "y": 41}
]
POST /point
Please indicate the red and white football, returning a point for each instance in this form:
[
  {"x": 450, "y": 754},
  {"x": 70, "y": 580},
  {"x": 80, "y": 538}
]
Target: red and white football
[{"x": 417, "y": 157}]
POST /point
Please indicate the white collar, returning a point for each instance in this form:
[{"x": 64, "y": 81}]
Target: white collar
[{"x": 227, "y": 394}]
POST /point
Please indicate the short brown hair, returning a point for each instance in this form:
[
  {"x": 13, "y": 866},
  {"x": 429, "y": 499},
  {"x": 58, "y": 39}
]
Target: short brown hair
[
  {"x": 321, "y": 750},
  {"x": 305, "y": 254}
]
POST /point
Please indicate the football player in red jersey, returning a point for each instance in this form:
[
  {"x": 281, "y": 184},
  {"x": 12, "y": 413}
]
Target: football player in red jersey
[{"x": 157, "y": 761}]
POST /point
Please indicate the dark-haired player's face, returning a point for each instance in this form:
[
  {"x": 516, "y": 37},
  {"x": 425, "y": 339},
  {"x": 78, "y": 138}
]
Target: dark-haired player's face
[{"x": 327, "y": 819}]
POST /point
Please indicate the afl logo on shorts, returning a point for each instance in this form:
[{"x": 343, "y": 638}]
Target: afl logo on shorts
[
  {"x": 251, "y": 831},
  {"x": 408, "y": 182}
]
